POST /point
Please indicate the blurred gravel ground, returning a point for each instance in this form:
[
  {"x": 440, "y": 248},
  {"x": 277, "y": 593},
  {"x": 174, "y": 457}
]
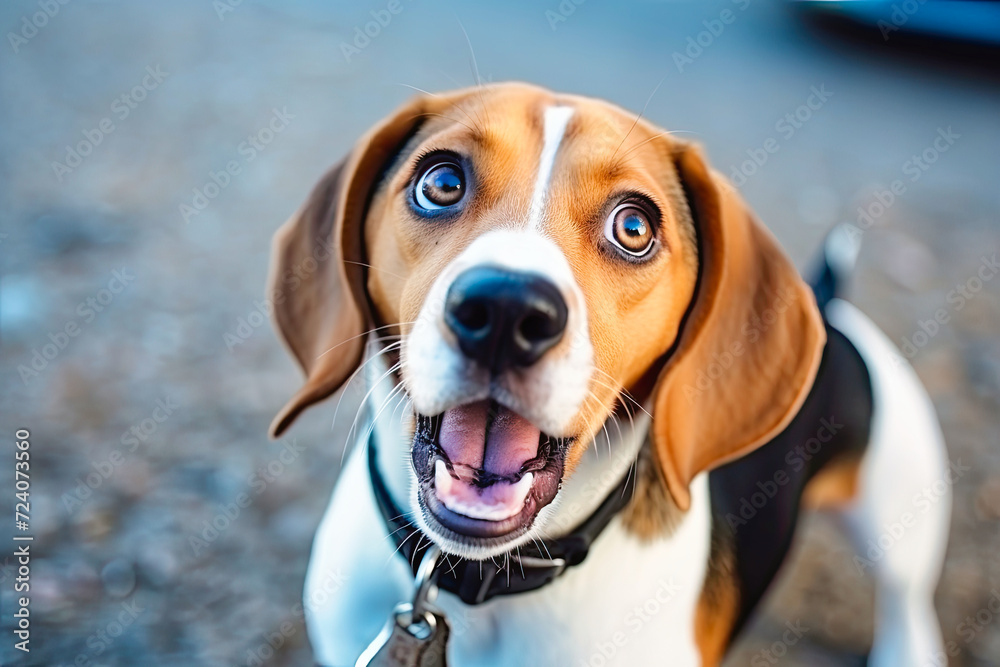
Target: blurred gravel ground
[{"x": 122, "y": 552}]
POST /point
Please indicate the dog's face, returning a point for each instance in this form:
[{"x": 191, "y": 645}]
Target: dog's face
[
  {"x": 537, "y": 255},
  {"x": 538, "y": 267}
]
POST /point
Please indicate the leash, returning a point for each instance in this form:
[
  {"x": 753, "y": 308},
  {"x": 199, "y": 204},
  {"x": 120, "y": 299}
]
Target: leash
[{"x": 417, "y": 633}]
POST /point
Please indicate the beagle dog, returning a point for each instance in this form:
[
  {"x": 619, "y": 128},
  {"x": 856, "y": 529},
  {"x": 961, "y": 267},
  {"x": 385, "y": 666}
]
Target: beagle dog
[{"x": 596, "y": 384}]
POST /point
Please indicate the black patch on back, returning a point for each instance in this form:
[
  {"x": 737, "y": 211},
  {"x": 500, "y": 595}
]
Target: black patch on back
[{"x": 755, "y": 499}]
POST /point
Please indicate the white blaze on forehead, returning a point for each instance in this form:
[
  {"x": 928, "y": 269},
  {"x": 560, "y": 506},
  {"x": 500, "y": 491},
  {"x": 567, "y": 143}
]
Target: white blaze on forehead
[{"x": 556, "y": 120}]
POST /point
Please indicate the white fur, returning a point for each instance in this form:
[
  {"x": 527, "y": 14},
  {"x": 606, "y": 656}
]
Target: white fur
[
  {"x": 556, "y": 119},
  {"x": 632, "y": 603},
  {"x": 906, "y": 455},
  {"x": 634, "y": 599},
  {"x": 549, "y": 394}
]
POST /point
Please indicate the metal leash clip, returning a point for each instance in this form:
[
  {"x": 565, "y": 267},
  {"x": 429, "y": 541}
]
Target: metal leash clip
[{"x": 416, "y": 634}]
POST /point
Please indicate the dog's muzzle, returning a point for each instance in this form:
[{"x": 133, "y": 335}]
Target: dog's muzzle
[{"x": 484, "y": 469}]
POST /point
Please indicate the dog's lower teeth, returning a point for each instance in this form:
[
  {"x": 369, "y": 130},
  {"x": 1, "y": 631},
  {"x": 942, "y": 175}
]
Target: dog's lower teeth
[{"x": 469, "y": 501}]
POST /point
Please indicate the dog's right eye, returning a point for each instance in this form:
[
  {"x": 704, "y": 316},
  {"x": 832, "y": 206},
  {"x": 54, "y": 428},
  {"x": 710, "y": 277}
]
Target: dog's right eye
[{"x": 440, "y": 185}]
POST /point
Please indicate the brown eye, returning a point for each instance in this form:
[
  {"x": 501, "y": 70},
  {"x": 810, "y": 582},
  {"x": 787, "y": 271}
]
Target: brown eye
[
  {"x": 440, "y": 186},
  {"x": 628, "y": 227}
]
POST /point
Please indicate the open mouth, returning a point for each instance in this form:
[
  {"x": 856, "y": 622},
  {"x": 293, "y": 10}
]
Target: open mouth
[{"x": 485, "y": 471}]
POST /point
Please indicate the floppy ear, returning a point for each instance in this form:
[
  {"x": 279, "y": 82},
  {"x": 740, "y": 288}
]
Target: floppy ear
[
  {"x": 316, "y": 282},
  {"x": 750, "y": 347}
]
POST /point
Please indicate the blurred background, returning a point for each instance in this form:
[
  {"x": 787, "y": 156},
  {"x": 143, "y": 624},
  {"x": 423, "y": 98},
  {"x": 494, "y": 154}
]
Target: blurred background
[{"x": 137, "y": 349}]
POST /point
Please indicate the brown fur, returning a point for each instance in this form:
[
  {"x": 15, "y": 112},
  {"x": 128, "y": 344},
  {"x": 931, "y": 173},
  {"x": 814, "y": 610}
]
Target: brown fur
[
  {"x": 718, "y": 605},
  {"x": 652, "y": 513},
  {"x": 634, "y": 310},
  {"x": 834, "y": 485},
  {"x": 384, "y": 261}
]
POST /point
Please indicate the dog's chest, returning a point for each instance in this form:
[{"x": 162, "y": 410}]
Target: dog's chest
[{"x": 627, "y": 604}]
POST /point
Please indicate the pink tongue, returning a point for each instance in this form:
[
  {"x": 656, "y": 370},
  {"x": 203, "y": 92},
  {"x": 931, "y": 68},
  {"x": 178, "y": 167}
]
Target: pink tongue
[{"x": 511, "y": 443}]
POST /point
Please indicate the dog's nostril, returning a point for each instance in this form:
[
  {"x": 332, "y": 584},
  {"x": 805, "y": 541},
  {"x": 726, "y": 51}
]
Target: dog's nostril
[
  {"x": 537, "y": 325},
  {"x": 474, "y": 315}
]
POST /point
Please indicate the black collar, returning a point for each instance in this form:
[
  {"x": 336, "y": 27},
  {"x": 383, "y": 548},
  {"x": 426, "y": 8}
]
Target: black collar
[{"x": 475, "y": 582}]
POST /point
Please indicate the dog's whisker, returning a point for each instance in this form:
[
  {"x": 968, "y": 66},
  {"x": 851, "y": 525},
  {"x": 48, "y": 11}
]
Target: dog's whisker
[
  {"x": 365, "y": 333},
  {"x": 364, "y": 401},
  {"x": 451, "y": 570},
  {"x": 385, "y": 402},
  {"x": 374, "y": 268},
  {"x": 430, "y": 94},
  {"x": 400, "y": 545},
  {"x": 454, "y": 120},
  {"x": 416, "y": 550},
  {"x": 343, "y": 392},
  {"x": 607, "y": 436},
  {"x": 622, "y": 391},
  {"x": 631, "y": 150},
  {"x": 475, "y": 70},
  {"x": 614, "y": 420},
  {"x": 419, "y": 90},
  {"x": 636, "y": 121},
  {"x": 542, "y": 547},
  {"x": 402, "y": 401},
  {"x": 628, "y": 475},
  {"x": 389, "y": 535},
  {"x": 401, "y": 515},
  {"x": 593, "y": 412}
]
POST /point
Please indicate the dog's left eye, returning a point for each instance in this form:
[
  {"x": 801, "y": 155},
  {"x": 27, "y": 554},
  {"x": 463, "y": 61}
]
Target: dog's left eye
[
  {"x": 441, "y": 184},
  {"x": 630, "y": 230}
]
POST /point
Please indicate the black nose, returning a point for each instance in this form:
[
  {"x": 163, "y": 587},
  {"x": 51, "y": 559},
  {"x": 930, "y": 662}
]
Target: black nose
[{"x": 503, "y": 318}]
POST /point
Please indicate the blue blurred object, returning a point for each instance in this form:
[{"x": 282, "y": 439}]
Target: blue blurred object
[{"x": 968, "y": 21}]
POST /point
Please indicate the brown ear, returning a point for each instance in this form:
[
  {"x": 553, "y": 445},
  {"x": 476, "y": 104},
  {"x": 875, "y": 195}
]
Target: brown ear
[
  {"x": 316, "y": 282},
  {"x": 750, "y": 346}
]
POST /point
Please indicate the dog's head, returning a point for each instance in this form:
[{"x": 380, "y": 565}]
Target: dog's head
[{"x": 538, "y": 255}]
